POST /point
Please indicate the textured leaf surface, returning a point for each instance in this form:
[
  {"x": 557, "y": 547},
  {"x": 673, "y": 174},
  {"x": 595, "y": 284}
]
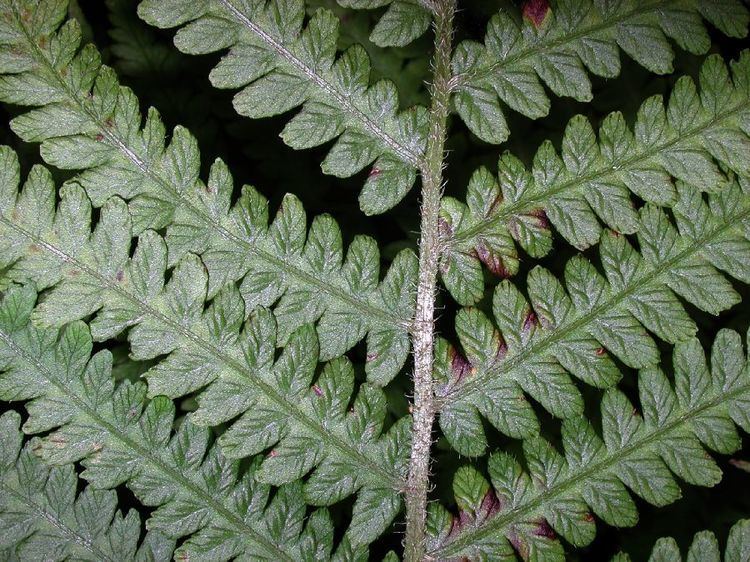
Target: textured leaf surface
[
  {"x": 558, "y": 44},
  {"x": 250, "y": 422},
  {"x": 198, "y": 493},
  {"x": 280, "y": 67},
  {"x": 402, "y": 22},
  {"x": 280, "y": 403},
  {"x": 43, "y": 517},
  {"x": 578, "y": 328},
  {"x": 640, "y": 450},
  {"x": 89, "y": 122},
  {"x": 592, "y": 180}
]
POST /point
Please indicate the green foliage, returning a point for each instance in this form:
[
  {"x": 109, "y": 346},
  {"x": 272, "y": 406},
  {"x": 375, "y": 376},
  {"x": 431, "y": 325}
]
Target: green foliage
[
  {"x": 402, "y": 22},
  {"x": 580, "y": 327},
  {"x": 124, "y": 439},
  {"x": 641, "y": 450},
  {"x": 91, "y": 273},
  {"x": 45, "y": 518},
  {"x": 281, "y": 68},
  {"x": 590, "y": 183},
  {"x": 562, "y": 43},
  {"x": 93, "y": 124},
  {"x": 205, "y": 374}
]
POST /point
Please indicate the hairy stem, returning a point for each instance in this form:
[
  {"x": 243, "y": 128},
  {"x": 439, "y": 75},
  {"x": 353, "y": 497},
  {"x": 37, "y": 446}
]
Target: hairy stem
[{"x": 429, "y": 251}]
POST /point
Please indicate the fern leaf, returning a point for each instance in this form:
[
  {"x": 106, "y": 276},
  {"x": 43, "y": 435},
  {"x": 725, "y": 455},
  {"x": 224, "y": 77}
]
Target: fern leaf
[
  {"x": 29, "y": 222},
  {"x": 222, "y": 510},
  {"x": 277, "y": 403},
  {"x": 44, "y": 518},
  {"x": 404, "y": 67},
  {"x": 403, "y": 21},
  {"x": 557, "y": 45},
  {"x": 90, "y": 122},
  {"x": 643, "y": 452},
  {"x": 577, "y": 329},
  {"x": 593, "y": 180},
  {"x": 704, "y": 547},
  {"x": 280, "y": 67}
]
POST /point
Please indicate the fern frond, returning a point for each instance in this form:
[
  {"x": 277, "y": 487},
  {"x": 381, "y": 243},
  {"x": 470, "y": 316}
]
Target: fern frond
[
  {"x": 213, "y": 349},
  {"x": 573, "y": 329},
  {"x": 641, "y": 451},
  {"x": 42, "y": 517},
  {"x": 29, "y": 222},
  {"x": 592, "y": 181},
  {"x": 281, "y": 67},
  {"x": 559, "y": 44},
  {"x": 221, "y": 509},
  {"x": 406, "y": 68},
  {"x": 89, "y": 122},
  {"x": 704, "y": 547},
  {"x": 403, "y": 21}
]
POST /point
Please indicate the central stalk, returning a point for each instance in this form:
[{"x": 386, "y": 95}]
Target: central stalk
[{"x": 423, "y": 330}]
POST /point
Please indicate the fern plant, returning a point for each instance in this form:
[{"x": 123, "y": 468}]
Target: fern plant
[{"x": 193, "y": 369}]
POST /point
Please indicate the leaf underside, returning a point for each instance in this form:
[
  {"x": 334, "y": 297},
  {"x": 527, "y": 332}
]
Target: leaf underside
[{"x": 266, "y": 359}]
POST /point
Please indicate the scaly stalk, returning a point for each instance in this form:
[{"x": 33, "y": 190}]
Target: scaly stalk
[{"x": 429, "y": 251}]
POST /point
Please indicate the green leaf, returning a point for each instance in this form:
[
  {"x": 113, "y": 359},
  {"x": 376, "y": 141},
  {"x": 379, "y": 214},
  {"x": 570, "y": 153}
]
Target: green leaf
[
  {"x": 591, "y": 181},
  {"x": 471, "y": 491},
  {"x": 637, "y": 450},
  {"x": 250, "y": 421},
  {"x": 116, "y": 155},
  {"x": 43, "y": 516},
  {"x": 221, "y": 509},
  {"x": 402, "y": 23},
  {"x": 738, "y": 543},
  {"x": 281, "y": 66},
  {"x": 373, "y": 511},
  {"x": 209, "y": 348},
  {"x": 557, "y": 331},
  {"x": 572, "y": 35}
]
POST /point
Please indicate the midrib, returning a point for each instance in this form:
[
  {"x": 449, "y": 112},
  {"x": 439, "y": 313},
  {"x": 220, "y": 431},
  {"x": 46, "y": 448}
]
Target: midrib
[
  {"x": 496, "y": 524},
  {"x": 303, "y": 278},
  {"x": 508, "y": 365}
]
